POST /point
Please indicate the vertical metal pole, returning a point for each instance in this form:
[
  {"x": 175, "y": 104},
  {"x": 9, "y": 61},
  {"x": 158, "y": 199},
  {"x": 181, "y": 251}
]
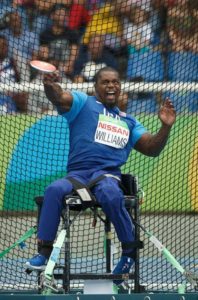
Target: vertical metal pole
[
  {"x": 66, "y": 269},
  {"x": 108, "y": 245},
  {"x": 39, "y": 202},
  {"x": 137, "y": 251}
]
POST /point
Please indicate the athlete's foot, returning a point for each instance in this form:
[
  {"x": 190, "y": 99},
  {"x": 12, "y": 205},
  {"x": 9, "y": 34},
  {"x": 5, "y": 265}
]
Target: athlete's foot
[
  {"x": 123, "y": 267},
  {"x": 37, "y": 262}
]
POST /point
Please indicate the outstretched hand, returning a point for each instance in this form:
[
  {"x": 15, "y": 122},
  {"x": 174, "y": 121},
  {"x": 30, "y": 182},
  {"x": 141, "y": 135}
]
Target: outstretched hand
[{"x": 167, "y": 113}]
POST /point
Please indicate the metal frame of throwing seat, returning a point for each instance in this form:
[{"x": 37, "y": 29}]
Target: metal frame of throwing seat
[{"x": 74, "y": 203}]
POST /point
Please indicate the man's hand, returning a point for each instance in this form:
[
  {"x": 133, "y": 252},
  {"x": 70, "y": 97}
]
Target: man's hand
[
  {"x": 153, "y": 144},
  {"x": 54, "y": 92},
  {"x": 50, "y": 78},
  {"x": 167, "y": 113}
]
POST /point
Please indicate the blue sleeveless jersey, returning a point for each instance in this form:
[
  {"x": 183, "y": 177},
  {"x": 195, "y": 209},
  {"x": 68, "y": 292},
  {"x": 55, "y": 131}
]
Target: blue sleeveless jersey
[{"x": 100, "y": 138}]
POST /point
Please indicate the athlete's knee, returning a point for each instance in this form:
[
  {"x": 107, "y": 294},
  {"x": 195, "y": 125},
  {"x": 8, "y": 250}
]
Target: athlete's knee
[
  {"x": 58, "y": 189},
  {"x": 110, "y": 196}
]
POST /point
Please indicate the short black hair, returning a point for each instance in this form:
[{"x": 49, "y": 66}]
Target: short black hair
[{"x": 105, "y": 69}]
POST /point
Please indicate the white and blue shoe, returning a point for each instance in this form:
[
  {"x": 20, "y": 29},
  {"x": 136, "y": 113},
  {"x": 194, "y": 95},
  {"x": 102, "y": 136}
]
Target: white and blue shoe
[
  {"x": 123, "y": 267},
  {"x": 37, "y": 262}
]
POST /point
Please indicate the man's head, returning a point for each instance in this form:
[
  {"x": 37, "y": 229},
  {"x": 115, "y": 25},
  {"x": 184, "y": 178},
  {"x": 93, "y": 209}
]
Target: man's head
[{"x": 108, "y": 86}]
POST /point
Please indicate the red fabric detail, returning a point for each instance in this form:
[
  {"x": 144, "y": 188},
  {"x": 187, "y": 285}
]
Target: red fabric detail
[{"x": 78, "y": 16}]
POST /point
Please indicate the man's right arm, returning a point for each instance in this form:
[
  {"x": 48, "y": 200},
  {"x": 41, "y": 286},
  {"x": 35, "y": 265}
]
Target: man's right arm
[{"x": 61, "y": 99}]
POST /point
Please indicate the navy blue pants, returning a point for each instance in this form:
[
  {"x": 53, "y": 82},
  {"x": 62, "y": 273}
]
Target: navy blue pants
[{"x": 107, "y": 193}]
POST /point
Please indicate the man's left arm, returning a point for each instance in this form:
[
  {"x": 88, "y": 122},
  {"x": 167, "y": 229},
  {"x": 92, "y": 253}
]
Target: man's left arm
[{"x": 153, "y": 144}]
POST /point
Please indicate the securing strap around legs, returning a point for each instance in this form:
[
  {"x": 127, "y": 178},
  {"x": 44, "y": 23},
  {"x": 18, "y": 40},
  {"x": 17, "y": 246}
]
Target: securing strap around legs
[
  {"x": 129, "y": 249},
  {"x": 132, "y": 245},
  {"x": 45, "y": 248},
  {"x": 83, "y": 190},
  {"x": 101, "y": 177},
  {"x": 93, "y": 182}
]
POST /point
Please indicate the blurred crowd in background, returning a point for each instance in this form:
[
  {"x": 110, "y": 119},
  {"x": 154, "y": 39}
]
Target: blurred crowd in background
[{"x": 145, "y": 40}]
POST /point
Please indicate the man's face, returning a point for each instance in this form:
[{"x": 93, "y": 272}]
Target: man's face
[{"x": 108, "y": 88}]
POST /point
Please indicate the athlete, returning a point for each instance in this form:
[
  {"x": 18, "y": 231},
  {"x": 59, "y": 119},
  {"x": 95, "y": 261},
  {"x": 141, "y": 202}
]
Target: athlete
[{"x": 101, "y": 138}]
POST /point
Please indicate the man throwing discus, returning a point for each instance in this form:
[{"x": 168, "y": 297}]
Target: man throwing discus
[{"x": 101, "y": 139}]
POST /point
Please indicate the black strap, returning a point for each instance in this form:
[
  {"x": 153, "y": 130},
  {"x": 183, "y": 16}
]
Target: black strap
[
  {"x": 131, "y": 245},
  {"x": 82, "y": 190},
  {"x": 93, "y": 182}
]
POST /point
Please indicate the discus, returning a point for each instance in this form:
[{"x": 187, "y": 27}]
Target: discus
[{"x": 42, "y": 66}]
